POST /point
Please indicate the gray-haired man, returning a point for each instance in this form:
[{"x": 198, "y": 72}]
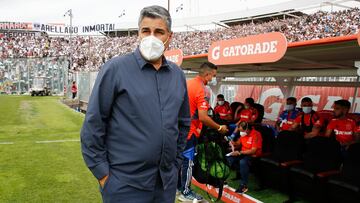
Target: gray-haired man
[{"x": 138, "y": 118}]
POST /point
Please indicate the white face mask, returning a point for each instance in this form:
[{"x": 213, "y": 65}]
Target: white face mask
[
  {"x": 289, "y": 107},
  {"x": 213, "y": 82},
  {"x": 307, "y": 109},
  {"x": 221, "y": 103},
  {"x": 242, "y": 134},
  {"x": 151, "y": 48}
]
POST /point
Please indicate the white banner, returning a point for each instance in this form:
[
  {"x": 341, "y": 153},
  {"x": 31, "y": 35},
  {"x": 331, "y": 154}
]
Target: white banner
[{"x": 55, "y": 28}]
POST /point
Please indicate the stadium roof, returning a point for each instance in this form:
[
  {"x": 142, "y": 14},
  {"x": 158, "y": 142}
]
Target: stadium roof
[{"x": 315, "y": 58}]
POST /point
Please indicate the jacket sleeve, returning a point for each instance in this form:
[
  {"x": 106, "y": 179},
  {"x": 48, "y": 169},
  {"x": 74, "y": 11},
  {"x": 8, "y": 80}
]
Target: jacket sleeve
[
  {"x": 184, "y": 125},
  {"x": 93, "y": 132}
]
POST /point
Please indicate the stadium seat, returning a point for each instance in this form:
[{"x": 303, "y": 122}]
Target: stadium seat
[
  {"x": 355, "y": 116},
  {"x": 273, "y": 170},
  {"x": 321, "y": 160},
  {"x": 268, "y": 138},
  {"x": 345, "y": 187},
  {"x": 268, "y": 142},
  {"x": 326, "y": 115}
]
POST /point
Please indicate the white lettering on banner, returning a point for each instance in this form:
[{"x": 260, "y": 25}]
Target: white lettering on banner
[
  {"x": 57, "y": 28},
  {"x": 173, "y": 58},
  {"x": 21, "y": 33},
  {"x": 262, "y": 48},
  {"x": 98, "y": 28},
  {"x": 231, "y": 197},
  {"x": 61, "y": 29},
  {"x": 227, "y": 195},
  {"x": 216, "y": 53},
  {"x": 273, "y": 45},
  {"x": 13, "y": 25},
  {"x": 246, "y": 49}
]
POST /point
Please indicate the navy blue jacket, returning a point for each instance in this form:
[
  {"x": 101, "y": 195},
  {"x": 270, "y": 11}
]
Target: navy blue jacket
[{"x": 137, "y": 121}]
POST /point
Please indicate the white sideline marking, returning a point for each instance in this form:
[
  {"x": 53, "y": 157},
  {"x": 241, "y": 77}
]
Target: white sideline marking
[
  {"x": 6, "y": 143},
  {"x": 54, "y": 141}
]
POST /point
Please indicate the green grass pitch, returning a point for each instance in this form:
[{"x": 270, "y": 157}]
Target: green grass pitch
[{"x": 52, "y": 172}]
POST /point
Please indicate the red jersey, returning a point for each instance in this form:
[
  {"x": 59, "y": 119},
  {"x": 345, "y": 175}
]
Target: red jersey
[
  {"x": 224, "y": 110},
  {"x": 248, "y": 115},
  {"x": 344, "y": 129},
  {"x": 252, "y": 140},
  {"x": 357, "y": 130},
  {"x": 196, "y": 93},
  {"x": 316, "y": 120}
]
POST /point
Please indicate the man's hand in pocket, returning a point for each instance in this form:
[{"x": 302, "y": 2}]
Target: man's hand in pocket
[{"x": 103, "y": 180}]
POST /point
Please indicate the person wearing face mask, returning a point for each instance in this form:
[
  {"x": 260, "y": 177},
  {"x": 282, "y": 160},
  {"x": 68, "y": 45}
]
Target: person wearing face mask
[
  {"x": 138, "y": 118},
  {"x": 248, "y": 114},
  {"x": 308, "y": 121},
  {"x": 199, "y": 116},
  {"x": 222, "y": 108},
  {"x": 341, "y": 126},
  {"x": 288, "y": 116},
  {"x": 249, "y": 145}
]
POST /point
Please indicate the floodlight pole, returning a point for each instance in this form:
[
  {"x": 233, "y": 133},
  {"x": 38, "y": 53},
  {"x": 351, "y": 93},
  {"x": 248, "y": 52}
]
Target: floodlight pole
[
  {"x": 356, "y": 92},
  {"x": 70, "y": 39},
  {"x": 69, "y": 12}
]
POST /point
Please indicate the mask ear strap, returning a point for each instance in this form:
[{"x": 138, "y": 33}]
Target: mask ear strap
[{"x": 167, "y": 40}]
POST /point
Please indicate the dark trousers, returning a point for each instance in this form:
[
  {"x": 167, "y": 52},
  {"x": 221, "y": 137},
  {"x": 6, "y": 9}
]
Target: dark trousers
[
  {"x": 344, "y": 152},
  {"x": 74, "y": 95},
  {"x": 243, "y": 162},
  {"x": 114, "y": 191},
  {"x": 184, "y": 183}
]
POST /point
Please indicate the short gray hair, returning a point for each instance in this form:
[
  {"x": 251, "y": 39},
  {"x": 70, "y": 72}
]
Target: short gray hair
[{"x": 156, "y": 12}]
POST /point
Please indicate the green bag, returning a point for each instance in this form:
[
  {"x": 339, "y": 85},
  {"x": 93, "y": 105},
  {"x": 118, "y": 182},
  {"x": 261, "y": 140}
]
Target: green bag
[{"x": 211, "y": 158}]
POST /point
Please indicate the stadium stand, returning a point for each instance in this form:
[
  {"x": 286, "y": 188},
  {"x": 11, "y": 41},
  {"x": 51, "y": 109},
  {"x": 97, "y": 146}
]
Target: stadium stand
[{"x": 89, "y": 53}]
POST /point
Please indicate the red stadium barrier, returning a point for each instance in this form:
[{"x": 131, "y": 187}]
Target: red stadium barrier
[
  {"x": 229, "y": 194},
  {"x": 327, "y": 40}
]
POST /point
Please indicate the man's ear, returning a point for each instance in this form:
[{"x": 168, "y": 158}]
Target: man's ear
[
  {"x": 169, "y": 40},
  {"x": 171, "y": 35}
]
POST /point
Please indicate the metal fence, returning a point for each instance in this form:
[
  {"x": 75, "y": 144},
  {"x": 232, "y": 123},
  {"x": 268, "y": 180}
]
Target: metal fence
[
  {"x": 17, "y": 74},
  {"x": 85, "y": 82}
]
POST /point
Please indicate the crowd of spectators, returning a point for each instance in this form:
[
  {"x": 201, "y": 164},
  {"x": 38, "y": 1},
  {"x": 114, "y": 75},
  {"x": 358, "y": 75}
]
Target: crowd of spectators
[{"x": 89, "y": 53}]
